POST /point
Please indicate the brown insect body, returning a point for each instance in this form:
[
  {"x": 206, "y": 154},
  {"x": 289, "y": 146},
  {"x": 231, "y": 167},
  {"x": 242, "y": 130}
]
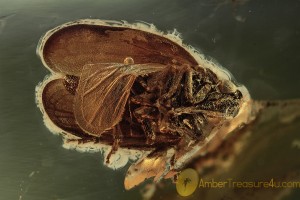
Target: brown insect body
[
  {"x": 156, "y": 99},
  {"x": 176, "y": 101}
]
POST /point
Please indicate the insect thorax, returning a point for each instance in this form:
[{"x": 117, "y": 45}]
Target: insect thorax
[{"x": 183, "y": 101}]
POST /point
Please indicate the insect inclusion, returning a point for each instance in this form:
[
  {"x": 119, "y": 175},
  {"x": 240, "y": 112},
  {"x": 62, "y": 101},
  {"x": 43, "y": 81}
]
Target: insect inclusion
[{"x": 135, "y": 93}]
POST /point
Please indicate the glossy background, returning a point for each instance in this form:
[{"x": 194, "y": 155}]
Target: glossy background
[{"x": 257, "y": 41}]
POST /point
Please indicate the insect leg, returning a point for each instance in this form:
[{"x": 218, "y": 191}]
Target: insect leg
[
  {"x": 146, "y": 116},
  {"x": 192, "y": 96},
  {"x": 202, "y": 93},
  {"x": 181, "y": 126},
  {"x": 188, "y": 88},
  {"x": 143, "y": 99},
  {"x": 143, "y": 83},
  {"x": 130, "y": 115},
  {"x": 117, "y": 133},
  {"x": 198, "y": 122},
  {"x": 149, "y": 130},
  {"x": 174, "y": 85}
]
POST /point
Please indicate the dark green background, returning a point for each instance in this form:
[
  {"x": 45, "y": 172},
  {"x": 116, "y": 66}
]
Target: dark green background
[{"x": 257, "y": 41}]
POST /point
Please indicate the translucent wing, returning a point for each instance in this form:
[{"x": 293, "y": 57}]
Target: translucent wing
[{"x": 102, "y": 94}]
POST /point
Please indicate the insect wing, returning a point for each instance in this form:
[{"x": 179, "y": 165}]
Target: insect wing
[
  {"x": 102, "y": 94},
  {"x": 58, "y": 104},
  {"x": 67, "y": 48},
  {"x": 143, "y": 69}
]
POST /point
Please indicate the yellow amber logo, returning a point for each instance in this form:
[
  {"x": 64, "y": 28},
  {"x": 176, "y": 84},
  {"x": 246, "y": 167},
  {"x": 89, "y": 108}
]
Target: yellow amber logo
[{"x": 187, "y": 182}]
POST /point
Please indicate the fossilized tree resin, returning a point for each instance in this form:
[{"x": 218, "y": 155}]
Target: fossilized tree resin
[{"x": 66, "y": 49}]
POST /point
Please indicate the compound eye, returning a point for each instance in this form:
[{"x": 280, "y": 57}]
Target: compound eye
[
  {"x": 128, "y": 61},
  {"x": 227, "y": 87}
]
